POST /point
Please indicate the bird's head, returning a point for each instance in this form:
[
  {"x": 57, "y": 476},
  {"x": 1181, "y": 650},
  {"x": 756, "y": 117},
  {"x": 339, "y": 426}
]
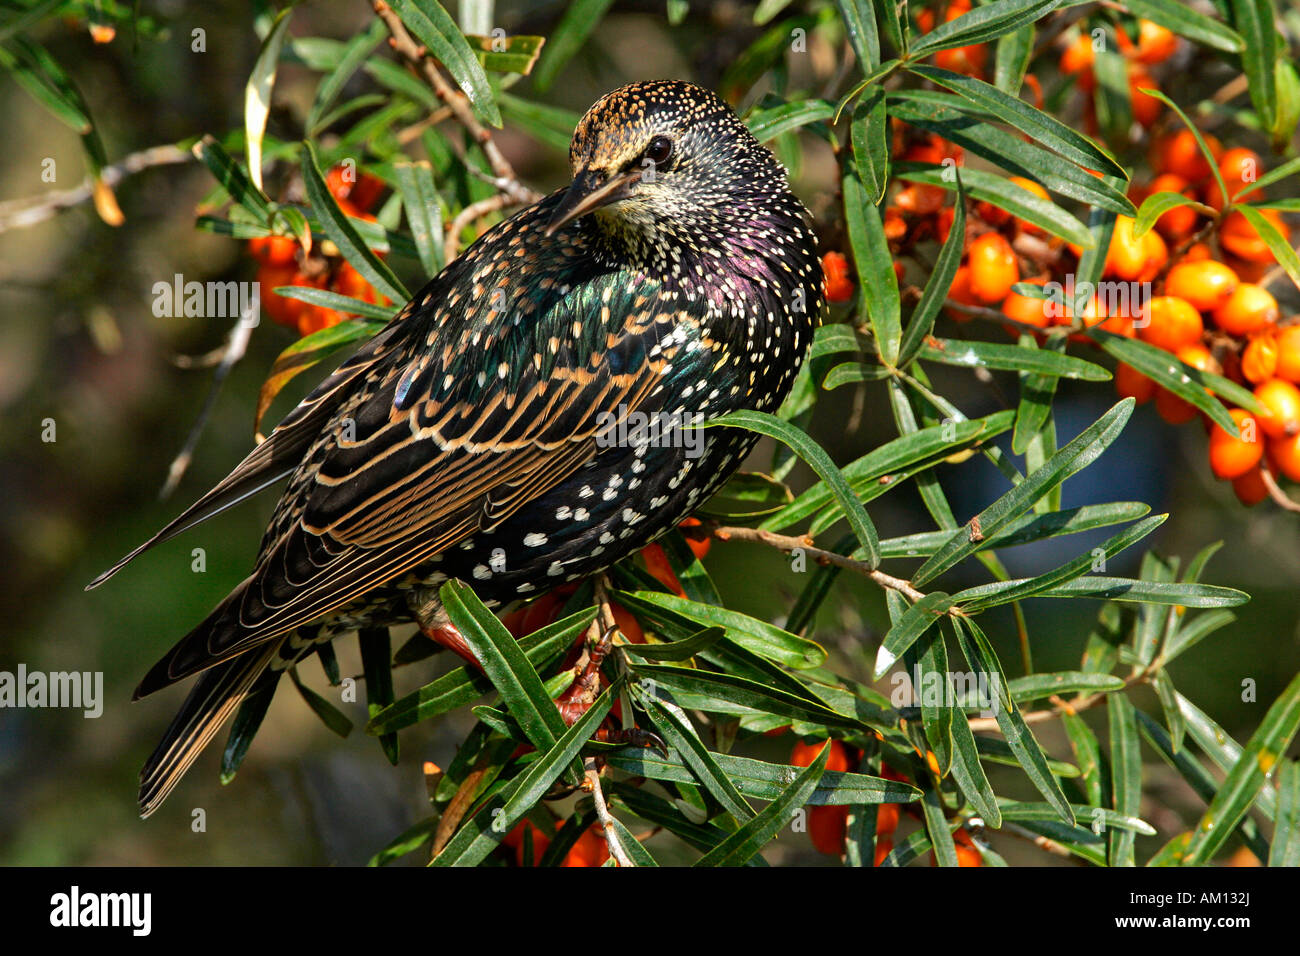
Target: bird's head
[{"x": 663, "y": 157}]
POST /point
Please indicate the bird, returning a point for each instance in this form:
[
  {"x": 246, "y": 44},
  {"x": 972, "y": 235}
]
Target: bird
[{"x": 482, "y": 435}]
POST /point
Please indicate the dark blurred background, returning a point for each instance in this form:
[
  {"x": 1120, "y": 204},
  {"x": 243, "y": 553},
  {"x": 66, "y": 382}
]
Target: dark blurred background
[{"x": 79, "y": 344}]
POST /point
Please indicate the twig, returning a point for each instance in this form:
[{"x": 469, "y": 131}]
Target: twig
[
  {"x": 18, "y": 213},
  {"x": 591, "y": 766},
  {"x": 475, "y": 210},
  {"x": 1276, "y": 493},
  {"x": 226, "y": 358},
  {"x": 788, "y": 543}
]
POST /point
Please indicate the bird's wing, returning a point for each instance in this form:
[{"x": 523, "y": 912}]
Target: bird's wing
[{"x": 487, "y": 413}]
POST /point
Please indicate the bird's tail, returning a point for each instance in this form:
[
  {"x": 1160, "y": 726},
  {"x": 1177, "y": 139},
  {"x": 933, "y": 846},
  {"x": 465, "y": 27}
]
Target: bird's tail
[{"x": 214, "y": 698}]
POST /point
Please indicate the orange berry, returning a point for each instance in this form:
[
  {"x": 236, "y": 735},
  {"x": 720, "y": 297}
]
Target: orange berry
[
  {"x": 1026, "y": 309},
  {"x": 1280, "y": 401},
  {"x": 1232, "y": 456},
  {"x": 628, "y": 624},
  {"x": 313, "y": 318},
  {"x": 1206, "y": 285},
  {"x": 943, "y": 222},
  {"x": 700, "y": 546},
  {"x": 1179, "y": 153},
  {"x": 960, "y": 291},
  {"x": 836, "y": 269},
  {"x": 804, "y": 754},
  {"x": 1155, "y": 43},
  {"x": 1259, "y": 359},
  {"x": 895, "y": 225},
  {"x": 1178, "y": 222},
  {"x": 274, "y": 250},
  {"x": 886, "y": 819},
  {"x": 1078, "y": 59},
  {"x": 1239, "y": 237},
  {"x": 281, "y": 310},
  {"x": 1172, "y": 323},
  {"x": 1284, "y": 453},
  {"x": 1238, "y": 167},
  {"x": 590, "y": 850},
  {"x": 921, "y": 199},
  {"x": 827, "y": 827},
  {"x": 1199, "y": 252},
  {"x": 1250, "y": 308},
  {"x": 1250, "y": 488},
  {"x": 515, "y": 841},
  {"x": 1129, "y": 257},
  {"x": 993, "y": 268},
  {"x": 1288, "y": 353},
  {"x": 1146, "y": 108},
  {"x": 656, "y": 562},
  {"x": 1168, "y": 405},
  {"x": 969, "y": 60},
  {"x": 884, "y": 846},
  {"x": 1130, "y": 383}
]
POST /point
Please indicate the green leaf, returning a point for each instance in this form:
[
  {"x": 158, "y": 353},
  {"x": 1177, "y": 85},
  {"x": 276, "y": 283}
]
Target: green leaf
[
  {"x": 40, "y": 75},
  {"x": 979, "y": 653},
  {"x": 753, "y": 835},
  {"x": 875, "y": 269},
  {"x": 354, "y": 54},
  {"x": 1285, "y": 849},
  {"x": 937, "y": 286},
  {"x": 1187, "y": 383},
  {"x": 370, "y": 317},
  {"x": 431, "y": 25},
  {"x": 1195, "y": 631},
  {"x": 915, "y": 622},
  {"x": 948, "y": 115},
  {"x": 799, "y": 442},
  {"x": 423, "y": 212},
  {"x": 376, "y": 663},
  {"x": 502, "y": 54},
  {"x": 1254, "y": 21},
  {"x": 330, "y": 715},
  {"x": 1169, "y": 705},
  {"x": 579, "y": 20},
  {"x": 1074, "y": 457},
  {"x": 505, "y": 665},
  {"x": 1157, "y": 204},
  {"x": 936, "y": 825},
  {"x": 758, "y": 636},
  {"x": 691, "y": 752},
  {"x": 232, "y": 178},
  {"x": 869, "y": 132},
  {"x": 969, "y": 774},
  {"x": 1148, "y": 592},
  {"x": 937, "y": 718},
  {"x": 860, "y": 24},
  {"x": 408, "y": 841},
  {"x": 681, "y": 650},
  {"x": 464, "y": 685},
  {"x": 1112, "y": 97},
  {"x": 1011, "y": 59},
  {"x": 1087, "y": 754},
  {"x": 982, "y": 24},
  {"x": 1277, "y": 174},
  {"x": 768, "y": 124},
  {"x": 745, "y": 496},
  {"x": 1200, "y": 140},
  {"x": 244, "y": 728},
  {"x": 1188, "y": 22},
  {"x": 1247, "y": 777},
  {"x": 1033, "y": 686},
  {"x": 257, "y": 92},
  {"x": 1042, "y": 128},
  {"x": 971, "y": 353},
  {"x": 1277, "y": 244},
  {"x": 1125, "y": 775},
  {"x": 340, "y": 228}
]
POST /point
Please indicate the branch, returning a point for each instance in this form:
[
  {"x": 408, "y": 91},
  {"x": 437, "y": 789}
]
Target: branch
[
  {"x": 591, "y": 766},
  {"x": 18, "y": 213},
  {"x": 475, "y": 210}
]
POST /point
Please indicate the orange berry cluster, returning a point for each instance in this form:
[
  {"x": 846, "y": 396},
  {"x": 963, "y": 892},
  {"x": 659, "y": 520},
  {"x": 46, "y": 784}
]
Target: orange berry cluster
[
  {"x": 1212, "y": 315},
  {"x": 1154, "y": 44},
  {"x": 589, "y": 850},
  {"x": 282, "y": 263}
]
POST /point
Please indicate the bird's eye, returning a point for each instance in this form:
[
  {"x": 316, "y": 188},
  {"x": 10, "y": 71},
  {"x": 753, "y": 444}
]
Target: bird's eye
[{"x": 659, "y": 150}]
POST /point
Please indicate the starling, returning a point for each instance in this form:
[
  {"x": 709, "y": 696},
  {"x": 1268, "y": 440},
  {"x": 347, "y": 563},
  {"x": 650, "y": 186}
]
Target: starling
[{"x": 501, "y": 429}]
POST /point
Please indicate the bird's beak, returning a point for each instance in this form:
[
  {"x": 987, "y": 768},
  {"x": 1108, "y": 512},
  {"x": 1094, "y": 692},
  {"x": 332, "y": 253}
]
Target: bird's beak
[{"x": 590, "y": 190}]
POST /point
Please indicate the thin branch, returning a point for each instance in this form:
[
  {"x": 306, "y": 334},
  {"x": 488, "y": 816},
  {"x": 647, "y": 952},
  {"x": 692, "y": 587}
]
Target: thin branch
[
  {"x": 591, "y": 767},
  {"x": 1276, "y": 493},
  {"x": 475, "y": 210},
  {"x": 18, "y": 213}
]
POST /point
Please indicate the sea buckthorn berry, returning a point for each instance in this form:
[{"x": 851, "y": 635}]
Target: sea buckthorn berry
[
  {"x": 1179, "y": 153},
  {"x": 969, "y": 60},
  {"x": 827, "y": 827},
  {"x": 515, "y": 841},
  {"x": 1134, "y": 258},
  {"x": 920, "y": 199},
  {"x": 1172, "y": 323},
  {"x": 1239, "y": 167},
  {"x": 1239, "y": 237},
  {"x": 627, "y": 623},
  {"x": 699, "y": 546},
  {"x": 804, "y": 754},
  {"x": 1250, "y": 308},
  {"x": 894, "y": 223},
  {"x": 1284, "y": 453},
  {"x": 960, "y": 291},
  {"x": 1288, "y": 353},
  {"x": 886, "y": 819},
  {"x": 1250, "y": 488},
  {"x": 1178, "y": 222},
  {"x": 1130, "y": 383},
  {"x": 993, "y": 268},
  {"x": 1155, "y": 42},
  {"x": 1232, "y": 456},
  {"x": 836, "y": 269},
  {"x": 1280, "y": 401},
  {"x": 884, "y": 847},
  {"x": 274, "y": 250},
  {"x": 590, "y": 850},
  {"x": 1027, "y": 309},
  {"x": 1206, "y": 285},
  {"x": 1146, "y": 108},
  {"x": 943, "y": 222},
  {"x": 1078, "y": 59},
  {"x": 1198, "y": 252},
  {"x": 1259, "y": 359}
]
